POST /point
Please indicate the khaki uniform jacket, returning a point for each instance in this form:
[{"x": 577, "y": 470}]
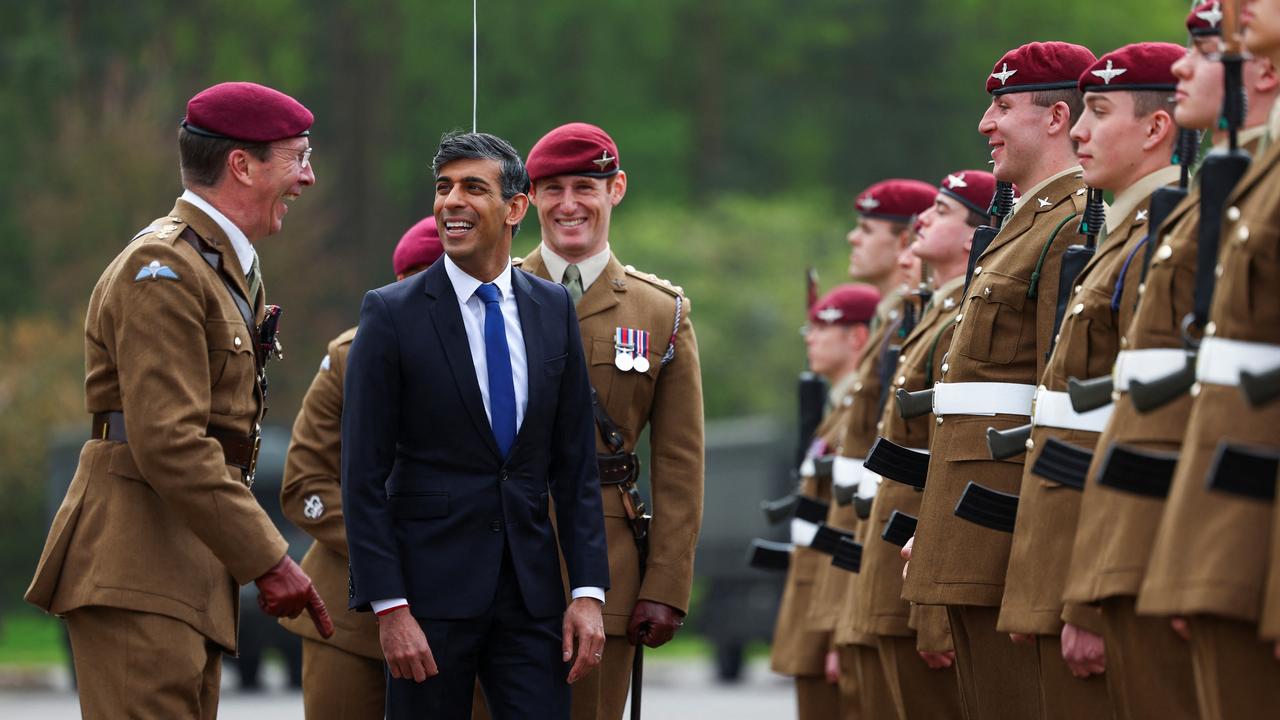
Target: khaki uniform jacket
[
  {"x": 798, "y": 649},
  {"x": 1116, "y": 528},
  {"x": 1002, "y": 334},
  {"x": 877, "y": 607},
  {"x": 311, "y": 497},
  {"x": 1209, "y": 555},
  {"x": 162, "y": 524},
  {"x": 1269, "y": 626},
  {"x": 1087, "y": 346},
  {"x": 834, "y": 586},
  {"x": 668, "y": 399}
]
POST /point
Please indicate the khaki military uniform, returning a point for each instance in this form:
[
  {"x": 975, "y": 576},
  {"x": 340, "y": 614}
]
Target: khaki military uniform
[
  {"x": 1003, "y": 335},
  {"x": 876, "y": 607},
  {"x": 1088, "y": 342},
  {"x": 342, "y": 676},
  {"x": 798, "y": 649},
  {"x": 1208, "y": 561},
  {"x": 864, "y": 692},
  {"x": 160, "y": 528},
  {"x": 668, "y": 399},
  {"x": 1148, "y": 666}
]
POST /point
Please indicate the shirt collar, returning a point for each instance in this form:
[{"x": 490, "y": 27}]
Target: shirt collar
[
  {"x": 591, "y": 268},
  {"x": 1034, "y": 191},
  {"x": 464, "y": 286},
  {"x": 1128, "y": 199},
  {"x": 239, "y": 242}
]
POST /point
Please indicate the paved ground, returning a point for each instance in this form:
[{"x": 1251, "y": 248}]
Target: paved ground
[{"x": 673, "y": 690}]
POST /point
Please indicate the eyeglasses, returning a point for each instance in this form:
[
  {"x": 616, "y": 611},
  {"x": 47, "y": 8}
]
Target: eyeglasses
[{"x": 303, "y": 157}]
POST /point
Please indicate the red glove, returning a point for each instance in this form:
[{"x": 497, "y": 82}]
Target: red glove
[
  {"x": 285, "y": 591},
  {"x": 653, "y": 623}
]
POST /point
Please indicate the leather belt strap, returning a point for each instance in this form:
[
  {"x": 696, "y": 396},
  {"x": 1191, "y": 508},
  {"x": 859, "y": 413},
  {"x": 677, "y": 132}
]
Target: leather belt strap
[
  {"x": 617, "y": 469},
  {"x": 982, "y": 398},
  {"x": 1053, "y": 409},
  {"x": 1146, "y": 365},
  {"x": 1220, "y": 361},
  {"x": 239, "y": 450}
]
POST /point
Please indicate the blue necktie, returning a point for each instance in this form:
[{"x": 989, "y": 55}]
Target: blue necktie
[{"x": 502, "y": 390}]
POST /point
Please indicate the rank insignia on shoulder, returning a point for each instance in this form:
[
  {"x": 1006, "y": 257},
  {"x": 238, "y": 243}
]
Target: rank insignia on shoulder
[
  {"x": 312, "y": 507},
  {"x": 155, "y": 270},
  {"x": 632, "y": 349},
  {"x": 324, "y": 364}
]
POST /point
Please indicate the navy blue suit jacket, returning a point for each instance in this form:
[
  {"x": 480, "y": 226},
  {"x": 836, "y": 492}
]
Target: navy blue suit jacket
[{"x": 429, "y": 502}]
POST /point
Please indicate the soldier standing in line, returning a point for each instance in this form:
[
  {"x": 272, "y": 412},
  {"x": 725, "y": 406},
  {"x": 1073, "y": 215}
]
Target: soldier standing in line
[
  {"x": 342, "y": 676},
  {"x": 1003, "y": 334},
  {"x": 159, "y": 528},
  {"x": 920, "y": 672},
  {"x": 1125, "y": 139},
  {"x": 1205, "y": 563},
  {"x": 886, "y": 212},
  {"x": 642, "y": 360},
  {"x": 835, "y": 337},
  {"x": 1148, "y": 667}
]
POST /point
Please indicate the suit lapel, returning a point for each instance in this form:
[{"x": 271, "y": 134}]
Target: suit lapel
[
  {"x": 531, "y": 319},
  {"x": 447, "y": 318}
]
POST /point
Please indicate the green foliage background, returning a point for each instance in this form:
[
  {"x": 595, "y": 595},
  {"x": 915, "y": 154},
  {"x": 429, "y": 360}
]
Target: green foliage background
[{"x": 746, "y": 127}]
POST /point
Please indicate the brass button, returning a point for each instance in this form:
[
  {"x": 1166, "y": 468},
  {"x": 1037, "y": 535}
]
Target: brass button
[
  {"x": 902, "y": 379},
  {"x": 1115, "y": 396},
  {"x": 1042, "y": 388},
  {"x": 237, "y": 342},
  {"x": 1142, "y": 289},
  {"x": 977, "y": 270},
  {"x": 1165, "y": 252},
  {"x": 1211, "y": 328},
  {"x": 880, "y": 426},
  {"x": 857, "y": 387},
  {"x": 1031, "y": 444},
  {"x": 1243, "y": 233},
  {"x": 1079, "y": 288},
  {"x": 1233, "y": 213},
  {"x": 1079, "y": 308},
  {"x": 1195, "y": 390},
  {"x": 960, "y": 318},
  {"x": 1124, "y": 341},
  {"x": 939, "y": 419},
  {"x": 1217, "y": 270},
  {"x": 987, "y": 291},
  {"x": 946, "y": 367}
]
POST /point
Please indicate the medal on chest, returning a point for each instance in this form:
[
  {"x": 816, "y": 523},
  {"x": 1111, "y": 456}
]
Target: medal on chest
[{"x": 631, "y": 348}]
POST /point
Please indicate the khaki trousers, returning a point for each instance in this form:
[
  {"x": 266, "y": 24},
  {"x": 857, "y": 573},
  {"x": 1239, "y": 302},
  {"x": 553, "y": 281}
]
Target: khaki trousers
[
  {"x": 143, "y": 665},
  {"x": 1065, "y": 696},
  {"x": 999, "y": 679},
  {"x": 919, "y": 692},
  {"x": 816, "y": 699},
  {"x": 602, "y": 695},
  {"x": 875, "y": 701},
  {"x": 1237, "y": 675},
  {"x": 338, "y": 685},
  {"x": 850, "y": 706},
  {"x": 1148, "y": 666}
]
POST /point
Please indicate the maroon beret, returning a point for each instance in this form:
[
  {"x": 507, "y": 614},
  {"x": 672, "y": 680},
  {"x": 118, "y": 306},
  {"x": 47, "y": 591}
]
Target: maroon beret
[
  {"x": 972, "y": 188},
  {"x": 1140, "y": 66},
  {"x": 248, "y": 112},
  {"x": 1205, "y": 19},
  {"x": 898, "y": 199},
  {"x": 1039, "y": 66},
  {"x": 573, "y": 149},
  {"x": 420, "y": 246},
  {"x": 846, "y": 304}
]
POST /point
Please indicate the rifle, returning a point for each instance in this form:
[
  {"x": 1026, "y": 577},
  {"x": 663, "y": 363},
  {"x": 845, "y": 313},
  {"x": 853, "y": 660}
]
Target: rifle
[
  {"x": 1260, "y": 388},
  {"x": 1219, "y": 174},
  {"x": 1001, "y": 208},
  {"x": 899, "y": 529},
  {"x": 890, "y": 460},
  {"x": 1093, "y": 393},
  {"x": 1063, "y": 463},
  {"x": 986, "y": 507},
  {"x": 1008, "y": 443},
  {"x": 1246, "y": 471}
]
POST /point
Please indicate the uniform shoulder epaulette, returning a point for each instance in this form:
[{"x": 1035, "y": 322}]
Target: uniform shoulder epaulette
[
  {"x": 165, "y": 229},
  {"x": 344, "y": 339},
  {"x": 655, "y": 281},
  {"x": 517, "y": 261},
  {"x": 1079, "y": 199}
]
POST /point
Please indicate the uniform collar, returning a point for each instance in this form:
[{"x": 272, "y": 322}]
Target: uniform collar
[
  {"x": 464, "y": 286},
  {"x": 1129, "y": 198},
  {"x": 842, "y": 387},
  {"x": 1027, "y": 195},
  {"x": 591, "y": 268},
  {"x": 239, "y": 241}
]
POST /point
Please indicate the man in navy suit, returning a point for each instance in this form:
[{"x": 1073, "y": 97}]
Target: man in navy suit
[{"x": 468, "y": 411}]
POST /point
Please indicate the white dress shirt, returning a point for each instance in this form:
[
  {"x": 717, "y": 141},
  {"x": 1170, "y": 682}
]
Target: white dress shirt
[
  {"x": 591, "y": 268},
  {"x": 239, "y": 242},
  {"x": 473, "y": 313}
]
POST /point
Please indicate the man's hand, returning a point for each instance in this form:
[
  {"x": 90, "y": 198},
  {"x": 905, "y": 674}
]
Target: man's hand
[
  {"x": 905, "y": 552},
  {"x": 653, "y": 623},
  {"x": 1179, "y": 625},
  {"x": 1084, "y": 652},
  {"x": 832, "y": 666},
  {"x": 584, "y": 627},
  {"x": 285, "y": 591},
  {"x": 938, "y": 660},
  {"x": 405, "y": 647}
]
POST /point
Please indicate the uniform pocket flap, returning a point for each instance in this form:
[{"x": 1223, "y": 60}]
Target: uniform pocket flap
[
  {"x": 1003, "y": 289},
  {"x": 229, "y": 335},
  {"x": 419, "y": 507}
]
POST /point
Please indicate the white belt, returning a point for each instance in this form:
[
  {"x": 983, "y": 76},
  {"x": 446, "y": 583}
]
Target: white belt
[
  {"x": 807, "y": 469},
  {"x": 846, "y": 471},
  {"x": 1053, "y": 409},
  {"x": 982, "y": 398},
  {"x": 1146, "y": 365},
  {"x": 802, "y": 532},
  {"x": 1220, "y": 361}
]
